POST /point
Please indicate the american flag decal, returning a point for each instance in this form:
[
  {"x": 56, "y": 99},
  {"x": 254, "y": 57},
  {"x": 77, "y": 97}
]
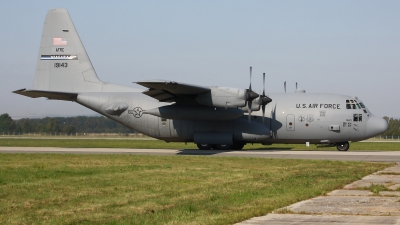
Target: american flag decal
[{"x": 59, "y": 41}]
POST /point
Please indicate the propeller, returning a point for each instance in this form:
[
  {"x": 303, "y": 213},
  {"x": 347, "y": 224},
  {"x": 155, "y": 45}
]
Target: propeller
[
  {"x": 250, "y": 96},
  {"x": 284, "y": 84},
  {"x": 263, "y": 100}
]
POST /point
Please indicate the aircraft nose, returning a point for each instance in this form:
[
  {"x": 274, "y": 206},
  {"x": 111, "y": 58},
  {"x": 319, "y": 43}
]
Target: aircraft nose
[{"x": 376, "y": 126}]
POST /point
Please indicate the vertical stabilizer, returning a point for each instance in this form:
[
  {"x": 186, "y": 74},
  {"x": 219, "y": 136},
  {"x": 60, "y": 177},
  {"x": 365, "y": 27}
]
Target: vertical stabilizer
[{"x": 63, "y": 64}]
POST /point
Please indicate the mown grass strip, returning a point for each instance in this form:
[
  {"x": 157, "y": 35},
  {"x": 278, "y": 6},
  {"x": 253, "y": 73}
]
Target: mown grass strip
[
  {"x": 134, "y": 189},
  {"x": 155, "y": 144}
]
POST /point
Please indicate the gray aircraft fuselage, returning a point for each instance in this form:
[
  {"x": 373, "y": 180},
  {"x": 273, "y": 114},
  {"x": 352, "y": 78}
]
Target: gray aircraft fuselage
[
  {"x": 290, "y": 118},
  {"x": 211, "y": 117}
]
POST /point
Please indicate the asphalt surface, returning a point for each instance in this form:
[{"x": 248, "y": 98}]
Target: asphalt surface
[
  {"x": 349, "y": 205},
  {"x": 370, "y": 156}
]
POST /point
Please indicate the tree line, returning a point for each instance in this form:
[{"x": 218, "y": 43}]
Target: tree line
[
  {"x": 68, "y": 125},
  {"x": 394, "y": 127}
]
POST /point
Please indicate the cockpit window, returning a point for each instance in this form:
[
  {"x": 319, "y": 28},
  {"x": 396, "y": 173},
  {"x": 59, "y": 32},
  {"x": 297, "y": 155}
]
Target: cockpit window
[
  {"x": 353, "y": 104},
  {"x": 357, "y": 104},
  {"x": 362, "y": 105}
]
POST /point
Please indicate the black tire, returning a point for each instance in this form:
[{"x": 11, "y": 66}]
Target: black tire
[
  {"x": 222, "y": 147},
  {"x": 343, "y": 146},
  {"x": 204, "y": 146},
  {"x": 238, "y": 146}
]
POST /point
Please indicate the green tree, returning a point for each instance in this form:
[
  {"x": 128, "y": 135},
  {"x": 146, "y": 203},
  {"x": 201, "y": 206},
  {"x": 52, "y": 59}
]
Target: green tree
[
  {"x": 394, "y": 127},
  {"x": 26, "y": 126},
  {"x": 6, "y": 123},
  {"x": 53, "y": 125},
  {"x": 69, "y": 129}
]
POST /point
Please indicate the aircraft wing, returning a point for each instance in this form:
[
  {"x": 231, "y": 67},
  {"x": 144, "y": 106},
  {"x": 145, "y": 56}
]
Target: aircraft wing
[{"x": 171, "y": 91}]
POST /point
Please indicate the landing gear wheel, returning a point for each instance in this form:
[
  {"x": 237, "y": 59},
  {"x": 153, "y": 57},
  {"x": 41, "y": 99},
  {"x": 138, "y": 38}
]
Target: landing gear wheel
[
  {"x": 204, "y": 146},
  {"x": 343, "y": 146},
  {"x": 237, "y": 146},
  {"x": 222, "y": 147}
]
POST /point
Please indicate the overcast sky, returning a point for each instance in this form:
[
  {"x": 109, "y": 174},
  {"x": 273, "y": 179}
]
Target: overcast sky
[{"x": 343, "y": 47}]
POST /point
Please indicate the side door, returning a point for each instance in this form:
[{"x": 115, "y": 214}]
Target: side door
[
  {"x": 164, "y": 127},
  {"x": 290, "y": 122},
  {"x": 359, "y": 123}
]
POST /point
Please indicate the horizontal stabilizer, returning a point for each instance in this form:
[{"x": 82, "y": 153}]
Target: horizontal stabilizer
[{"x": 47, "y": 94}]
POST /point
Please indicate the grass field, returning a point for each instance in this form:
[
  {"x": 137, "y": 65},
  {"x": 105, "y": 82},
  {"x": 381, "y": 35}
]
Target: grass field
[
  {"x": 155, "y": 144},
  {"x": 133, "y": 189}
]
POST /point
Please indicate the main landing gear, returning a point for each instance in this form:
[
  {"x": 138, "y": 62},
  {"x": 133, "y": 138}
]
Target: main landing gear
[
  {"x": 342, "y": 146},
  {"x": 235, "y": 146}
]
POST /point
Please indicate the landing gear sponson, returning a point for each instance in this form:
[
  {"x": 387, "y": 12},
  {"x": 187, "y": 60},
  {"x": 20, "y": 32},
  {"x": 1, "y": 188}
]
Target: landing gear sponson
[
  {"x": 235, "y": 146},
  {"x": 342, "y": 146}
]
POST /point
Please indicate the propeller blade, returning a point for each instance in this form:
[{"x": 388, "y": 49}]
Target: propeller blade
[
  {"x": 249, "y": 116},
  {"x": 284, "y": 84},
  {"x": 296, "y": 85},
  {"x": 250, "y": 94},
  {"x": 263, "y": 84},
  {"x": 250, "y": 78},
  {"x": 263, "y": 113},
  {"x": 264, "y": 100},
  {"x": 263, "y": 95}
]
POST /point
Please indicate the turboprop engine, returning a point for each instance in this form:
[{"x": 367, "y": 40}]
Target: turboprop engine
[{"x": 226, "y": 97}]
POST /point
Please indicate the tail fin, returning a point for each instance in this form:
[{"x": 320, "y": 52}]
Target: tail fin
[
  {"x": 63, "y": 64},
  {"x": 63, "y": 68}
]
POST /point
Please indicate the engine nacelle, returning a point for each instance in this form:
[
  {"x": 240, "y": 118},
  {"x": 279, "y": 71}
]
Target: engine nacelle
[
  {"x": 223, "y": 97},
  {"x": 255, "y": 106}
]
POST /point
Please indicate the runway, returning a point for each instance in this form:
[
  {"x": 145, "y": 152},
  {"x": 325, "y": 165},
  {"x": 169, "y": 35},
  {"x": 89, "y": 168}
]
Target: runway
[{"x": 370, "y": 156}]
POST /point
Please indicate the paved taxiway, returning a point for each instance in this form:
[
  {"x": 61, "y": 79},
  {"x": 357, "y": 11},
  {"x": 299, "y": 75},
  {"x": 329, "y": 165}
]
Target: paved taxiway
[
  {"x": 392, "y": 156},
  {"x": 349, "y": 205}
]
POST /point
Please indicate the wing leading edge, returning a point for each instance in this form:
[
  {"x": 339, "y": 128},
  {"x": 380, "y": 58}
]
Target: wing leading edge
[{"x": 171, "y": 91}]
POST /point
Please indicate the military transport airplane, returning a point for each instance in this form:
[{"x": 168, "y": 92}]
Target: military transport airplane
[{"x": 211, "y": 117}]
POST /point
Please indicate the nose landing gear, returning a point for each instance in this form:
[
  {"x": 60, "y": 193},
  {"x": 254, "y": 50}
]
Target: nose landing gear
[{"x": 342, "y": 146}]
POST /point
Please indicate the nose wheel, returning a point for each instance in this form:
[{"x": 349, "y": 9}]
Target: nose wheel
[{"x": 343, "y": 146}]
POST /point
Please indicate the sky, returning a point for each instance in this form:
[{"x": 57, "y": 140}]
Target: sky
[{"x": 340, "y": 47}]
